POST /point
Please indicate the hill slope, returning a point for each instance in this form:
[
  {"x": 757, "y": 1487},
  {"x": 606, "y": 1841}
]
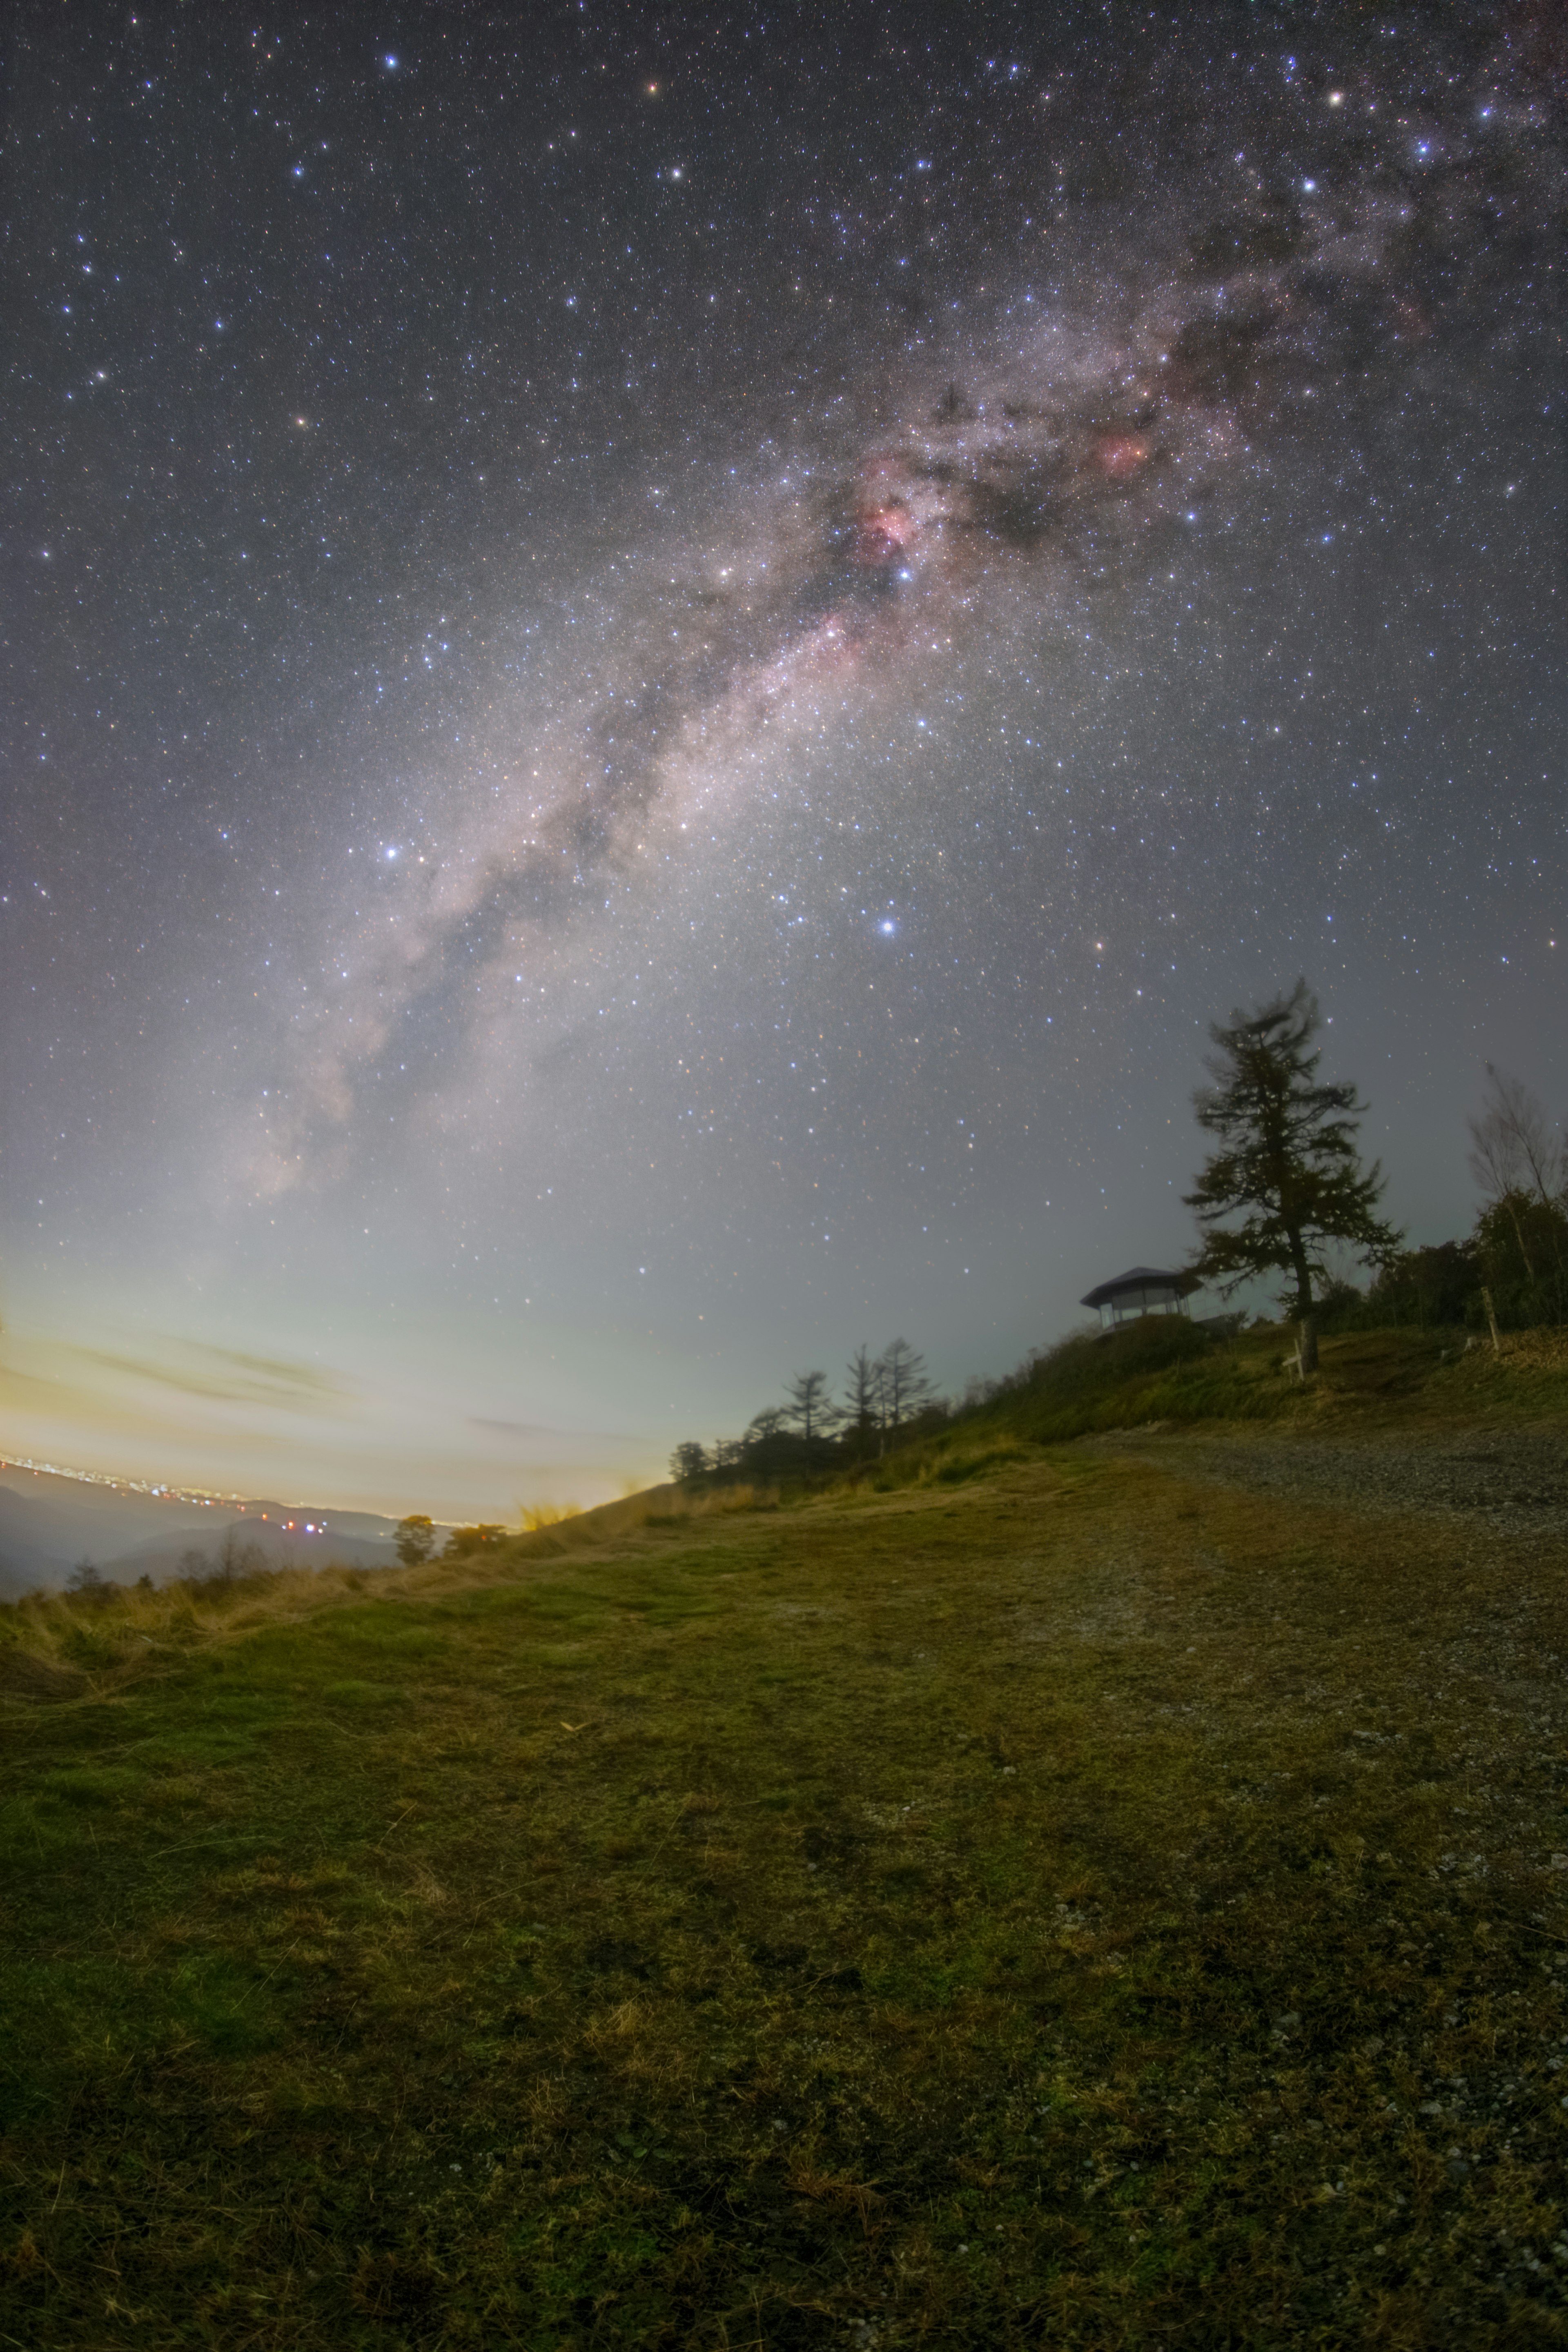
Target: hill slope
[
  {"x": 1081, "y": 1905},
  {"x": 1167, "y": 1372}
]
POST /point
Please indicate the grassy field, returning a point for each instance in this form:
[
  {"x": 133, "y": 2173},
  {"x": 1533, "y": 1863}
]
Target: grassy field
[{"x": 1055, "y": 1900}]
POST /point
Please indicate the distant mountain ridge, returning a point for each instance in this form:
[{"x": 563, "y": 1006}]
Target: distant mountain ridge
[{"x": 50, "y": 1521}]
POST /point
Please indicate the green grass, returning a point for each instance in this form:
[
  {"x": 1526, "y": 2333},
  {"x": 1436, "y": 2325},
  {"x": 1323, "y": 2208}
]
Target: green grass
[
  {"x": 1166, "y": 1372},
  {"x": 1049, "y": 1906}
]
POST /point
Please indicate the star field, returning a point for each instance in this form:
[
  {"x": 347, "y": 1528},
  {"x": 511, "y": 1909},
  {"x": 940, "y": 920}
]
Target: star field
[{"x": 660, "y": 669}]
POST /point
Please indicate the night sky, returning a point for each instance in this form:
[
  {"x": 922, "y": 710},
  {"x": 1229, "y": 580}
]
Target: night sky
[{"x": 661, "y": 665}]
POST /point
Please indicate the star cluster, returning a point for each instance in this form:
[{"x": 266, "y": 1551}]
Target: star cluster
[{"x": 661, "y": 668}]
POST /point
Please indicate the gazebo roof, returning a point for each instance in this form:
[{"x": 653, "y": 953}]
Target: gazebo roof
[{"x": 1138, "y": 1277}]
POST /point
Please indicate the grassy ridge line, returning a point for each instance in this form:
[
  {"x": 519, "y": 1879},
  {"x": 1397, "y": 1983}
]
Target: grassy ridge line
[
  {"x": 1169, "y": 1369},
  {"x": 1169, "y": 1372},
  {"x": 1079, "y": 1907},
  {"x": 60, "y": 1645}
]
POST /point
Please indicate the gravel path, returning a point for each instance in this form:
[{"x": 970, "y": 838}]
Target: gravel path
[{"x": 1514, "y": 1482}]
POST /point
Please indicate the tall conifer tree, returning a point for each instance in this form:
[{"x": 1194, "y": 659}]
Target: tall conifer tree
[{"x": 1287, "y": 1165}]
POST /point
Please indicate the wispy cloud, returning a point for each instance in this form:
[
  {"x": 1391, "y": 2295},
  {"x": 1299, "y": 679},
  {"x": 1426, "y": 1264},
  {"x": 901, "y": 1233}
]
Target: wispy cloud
[
  {"x": 513, "y": 1428},
  {"x": 225, "y": 1375}
]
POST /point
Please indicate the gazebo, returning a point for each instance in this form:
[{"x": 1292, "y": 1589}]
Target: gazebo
[{"x": 1142, "y": 1290}]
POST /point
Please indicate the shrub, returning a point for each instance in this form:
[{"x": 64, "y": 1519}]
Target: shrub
[
  {"x": 463, "y": 1543},
  {"x": 1429, "y": 1287}
]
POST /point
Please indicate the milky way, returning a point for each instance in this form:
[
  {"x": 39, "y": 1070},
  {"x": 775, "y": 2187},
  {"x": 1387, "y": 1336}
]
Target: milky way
[{"x": 663, "y": 678}]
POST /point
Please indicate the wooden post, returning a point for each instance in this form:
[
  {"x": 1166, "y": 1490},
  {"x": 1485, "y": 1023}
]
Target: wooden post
[{"x": 1491, "y": 1319}]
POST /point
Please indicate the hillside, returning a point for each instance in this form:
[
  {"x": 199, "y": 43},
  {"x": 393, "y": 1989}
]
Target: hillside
[
  {"x": 296, "y": 1542},
  {"x": 47, "y": 1523},
  {"x": 1168, "y": 1372},
  {"x": 1054, "y": 1894},
  {"x": 1172, "y": 1373}
]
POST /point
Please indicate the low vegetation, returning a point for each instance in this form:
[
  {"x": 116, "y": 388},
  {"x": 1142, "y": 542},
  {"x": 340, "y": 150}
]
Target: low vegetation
[
  {"x": 1055, "y": 1897},
  {"x": 1167, "y": 1372},
  {"x": 1165, "y": 1369}
]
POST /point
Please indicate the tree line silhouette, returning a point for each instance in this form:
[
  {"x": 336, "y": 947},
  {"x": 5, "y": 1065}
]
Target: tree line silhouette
[{"x": 887, "y": 1400}]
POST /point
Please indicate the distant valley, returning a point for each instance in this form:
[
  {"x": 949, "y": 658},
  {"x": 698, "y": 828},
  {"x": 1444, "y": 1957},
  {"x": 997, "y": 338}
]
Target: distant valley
[{"x": 50, "y": 1523}]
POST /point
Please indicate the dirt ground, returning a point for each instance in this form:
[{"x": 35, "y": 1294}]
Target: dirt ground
[{"x": 1510, "y": 1482}]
